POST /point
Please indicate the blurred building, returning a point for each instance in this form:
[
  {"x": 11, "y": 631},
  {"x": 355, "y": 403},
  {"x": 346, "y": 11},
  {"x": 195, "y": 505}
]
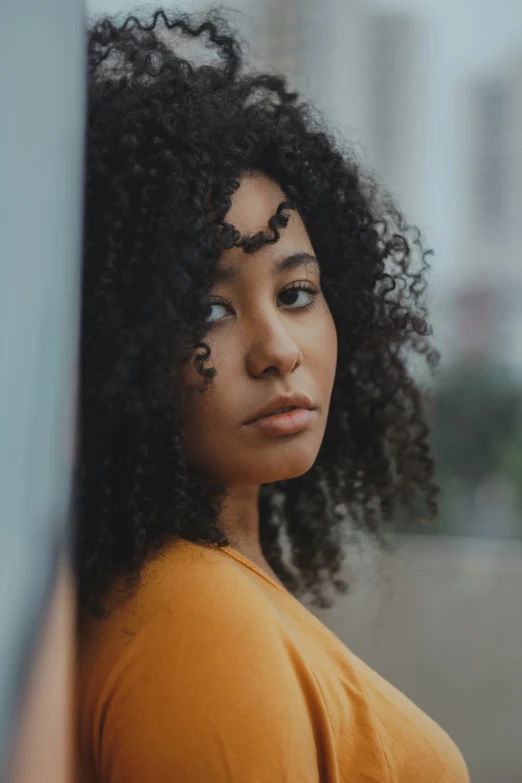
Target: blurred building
[
  {"x": 487, "y": 314},
  {"x": 276, "y": 36},
  {"x": 366, "y": 71},
  {"x": 398, "y": 95},
  {"x": 338, "y": 52},
  {"x": 321, "y": 49}
]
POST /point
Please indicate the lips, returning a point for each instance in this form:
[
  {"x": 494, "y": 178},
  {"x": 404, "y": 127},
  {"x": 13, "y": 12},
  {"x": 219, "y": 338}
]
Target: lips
[
  {"x": 289, "y": 423},
  {"x": 280, "y": 402},
  {"x": 279, "y": 410}
]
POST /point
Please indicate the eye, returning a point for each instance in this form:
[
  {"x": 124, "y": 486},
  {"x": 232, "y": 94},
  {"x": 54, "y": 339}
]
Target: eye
[
  {"x": 212, "y": 316},
  {"x": 302, "y": 294}
]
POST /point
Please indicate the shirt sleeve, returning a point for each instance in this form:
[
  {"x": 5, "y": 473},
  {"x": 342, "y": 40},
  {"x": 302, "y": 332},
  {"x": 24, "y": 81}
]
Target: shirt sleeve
[{"x": 207, "y": 694}]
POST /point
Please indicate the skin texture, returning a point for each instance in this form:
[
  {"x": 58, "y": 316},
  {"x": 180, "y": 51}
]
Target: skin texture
[{"x": 263, "y": 342}]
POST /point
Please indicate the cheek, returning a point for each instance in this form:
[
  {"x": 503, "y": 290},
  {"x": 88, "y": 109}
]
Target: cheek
[
  {"x": 325, "y": 349},
  {"x": 202, "y": 411}
]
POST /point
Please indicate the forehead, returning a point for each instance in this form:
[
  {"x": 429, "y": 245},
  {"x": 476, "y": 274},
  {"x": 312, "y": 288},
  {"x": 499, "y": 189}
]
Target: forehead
[{"x": 252, "y": 205}]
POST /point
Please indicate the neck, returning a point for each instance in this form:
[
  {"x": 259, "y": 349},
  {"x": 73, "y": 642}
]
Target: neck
[
  {"x": 240, "y": 518},
  {"x": 240, "y": 521}
]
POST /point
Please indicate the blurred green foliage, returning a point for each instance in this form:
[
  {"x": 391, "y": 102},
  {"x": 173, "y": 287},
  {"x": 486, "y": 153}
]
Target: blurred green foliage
[{"x": 476, "y": 433}]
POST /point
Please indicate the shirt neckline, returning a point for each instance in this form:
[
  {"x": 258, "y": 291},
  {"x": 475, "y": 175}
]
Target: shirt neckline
[{"x": 241, "y": 558}]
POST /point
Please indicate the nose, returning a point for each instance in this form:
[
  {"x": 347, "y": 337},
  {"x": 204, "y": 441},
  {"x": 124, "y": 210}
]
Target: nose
[{"x": 272, "y": 349}]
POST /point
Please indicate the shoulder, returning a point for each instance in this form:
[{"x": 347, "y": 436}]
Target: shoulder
[
  {"x": 201, "y": 663},
  {"x": 187, "y": 591},
  {"x": 195, "y": 610},
  {"x": 191, "y": 582}
]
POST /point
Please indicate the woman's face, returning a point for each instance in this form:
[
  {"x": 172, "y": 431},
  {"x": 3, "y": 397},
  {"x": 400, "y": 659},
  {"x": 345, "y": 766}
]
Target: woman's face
[{"x": 265, "y": 340}]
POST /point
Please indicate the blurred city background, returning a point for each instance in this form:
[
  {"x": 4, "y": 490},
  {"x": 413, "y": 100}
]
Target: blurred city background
[{"x": 429, "y": 93}]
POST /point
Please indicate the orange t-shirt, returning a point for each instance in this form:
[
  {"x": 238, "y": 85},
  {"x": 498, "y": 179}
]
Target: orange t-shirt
[{"x": 213, "y": 673}]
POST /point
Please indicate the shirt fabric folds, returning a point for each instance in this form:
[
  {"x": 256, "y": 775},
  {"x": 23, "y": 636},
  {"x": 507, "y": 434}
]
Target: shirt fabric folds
[{"x": 213, "y": 673}]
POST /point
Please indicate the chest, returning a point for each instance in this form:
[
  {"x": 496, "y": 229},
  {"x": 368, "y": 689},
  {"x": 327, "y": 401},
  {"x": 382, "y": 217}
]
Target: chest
[{"x": 369, "y": 729}]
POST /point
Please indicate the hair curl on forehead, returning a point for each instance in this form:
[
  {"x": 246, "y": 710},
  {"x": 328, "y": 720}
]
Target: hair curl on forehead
[
  {"x": 250, "y": 244},
  {"x": 168, "y": 140}
]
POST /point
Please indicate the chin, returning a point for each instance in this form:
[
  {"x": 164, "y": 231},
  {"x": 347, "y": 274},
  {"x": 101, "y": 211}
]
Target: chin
[{"x": 269, "y": 470}]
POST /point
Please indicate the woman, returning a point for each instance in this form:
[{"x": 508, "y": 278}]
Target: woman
[{"x": 237, "y": 265}]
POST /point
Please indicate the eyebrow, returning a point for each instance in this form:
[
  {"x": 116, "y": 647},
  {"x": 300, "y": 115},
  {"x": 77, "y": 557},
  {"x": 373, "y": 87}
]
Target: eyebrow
[{"x": 226, "y": 273}]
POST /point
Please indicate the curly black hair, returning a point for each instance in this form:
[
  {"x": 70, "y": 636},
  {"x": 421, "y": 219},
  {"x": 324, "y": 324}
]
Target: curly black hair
[{"x": 167, "y": 141}]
